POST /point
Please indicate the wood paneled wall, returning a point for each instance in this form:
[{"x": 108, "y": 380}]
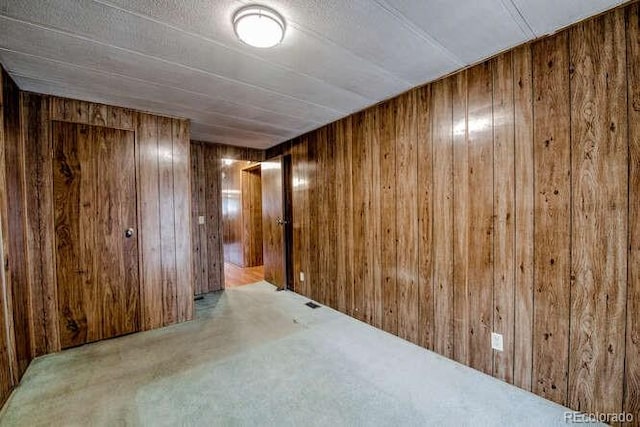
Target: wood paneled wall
[
  {"x": 503, "y": 198},
  {"x": 252, "y": 216},
  {"x": 206, "y": 198},
  {"x": 232, "y": 227},
  {"x": 163, "y": 199},
  {"x": 15, "y": 352}
]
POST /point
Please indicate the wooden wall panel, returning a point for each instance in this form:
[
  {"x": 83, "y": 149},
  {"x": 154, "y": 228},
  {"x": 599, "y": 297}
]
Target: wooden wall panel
[
  {"x": 167, "y": 222},
  {"x": 40, "y": 224},
  {"x": 460, "y": 189},
  {"x": 251, "y": 216},
  {"x": 329, "y": 237},
  {"x": 499, "y": 199},
  {"x": 213, "y": 218},
  {"x": 7, "y": 343},
  {"x": 373, "y": 303},
  {"x": 198, "y": 233},
  {"x": 323, "y": 280},
  {"x": 524, "y": 217},
  {"x": 443, "y": 222},
  {"x": 149, "y": 230},
  {"x": 17, "y": 275},
  {"x": 344, "y": 264},
  {"x": 599, "y": 213},
  {"x": 232, "y": 211},
  {"x": 480, "y": 253},
  {"x": 424, "y": 188},
  {"x": 362, "y": 279},
  {"x": 182, "y": 206},
  {"x": 299, "y": 187},
  {"x": 388, "y": 209},
  {"x": 504, "y": 214},
  {"x": 552, "y": 168},
  {"x": 632, "y": 362},
  {"x": 407, "y": 215}
]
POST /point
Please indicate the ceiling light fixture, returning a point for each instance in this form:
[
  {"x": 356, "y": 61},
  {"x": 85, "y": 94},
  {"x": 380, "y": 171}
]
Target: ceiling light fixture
[{"x": 259, "y": 26}]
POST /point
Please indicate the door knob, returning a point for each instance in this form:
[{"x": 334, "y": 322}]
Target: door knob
[{"x": 128, "y": 233}]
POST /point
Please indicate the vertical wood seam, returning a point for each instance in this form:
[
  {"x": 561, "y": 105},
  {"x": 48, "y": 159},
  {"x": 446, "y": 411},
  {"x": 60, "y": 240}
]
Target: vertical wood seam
[{"x": 571, "y": 281}]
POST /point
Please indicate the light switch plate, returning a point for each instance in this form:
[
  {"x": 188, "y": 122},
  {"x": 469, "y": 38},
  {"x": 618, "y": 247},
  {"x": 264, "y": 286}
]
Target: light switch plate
[
  {"x": 201, "y": 219},
  {"x": 496, "y": 342},
  {"x": 302, "y": 276}
]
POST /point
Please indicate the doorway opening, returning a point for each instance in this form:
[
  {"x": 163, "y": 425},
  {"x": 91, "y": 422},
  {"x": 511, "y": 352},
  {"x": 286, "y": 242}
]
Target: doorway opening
[
  {"x": 257, "y": 222},
  {"x": 242, "y": 222}
]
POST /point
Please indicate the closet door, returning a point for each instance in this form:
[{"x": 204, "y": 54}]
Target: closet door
[
  {"x": 116, "y": 237},
  {"x": 95, "y": 206}
]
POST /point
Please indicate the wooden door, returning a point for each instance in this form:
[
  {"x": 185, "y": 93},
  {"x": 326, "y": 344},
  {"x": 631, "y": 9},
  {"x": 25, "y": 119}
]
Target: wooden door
[
  {"x": 273, "y": 248},
  {"x": 95, "y": 203}
]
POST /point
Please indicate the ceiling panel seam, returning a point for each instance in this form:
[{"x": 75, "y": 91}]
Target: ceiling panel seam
[
  {"x": 102, "y": 100},
  {"x": 409, "y": 25},
  {"x": 176, "y": 64},
  {"x": 136, "y": 79},
  {"x": 22, "y": 74},
  {"x": 226, "y": 46},
  {"x": 518, "y": 17},
  {"x": 350, "y": 52}
]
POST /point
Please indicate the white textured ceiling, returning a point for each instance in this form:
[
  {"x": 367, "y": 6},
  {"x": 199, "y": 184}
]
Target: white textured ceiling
[{"x": 181, "y": 57}]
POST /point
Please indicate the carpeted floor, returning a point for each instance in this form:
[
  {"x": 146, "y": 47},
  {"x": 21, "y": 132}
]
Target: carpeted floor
[{"x": 253, "y": 357}]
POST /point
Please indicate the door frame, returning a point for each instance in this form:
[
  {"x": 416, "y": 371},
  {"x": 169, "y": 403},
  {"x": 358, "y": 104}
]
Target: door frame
[{"x": 287, "y": 214}]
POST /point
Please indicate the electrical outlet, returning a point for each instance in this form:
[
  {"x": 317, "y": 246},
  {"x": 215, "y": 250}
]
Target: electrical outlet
[
  {"x": 496, "y": 341},
  {"x": 201, "y": 219},
  {"x": 302, "y": 276}
]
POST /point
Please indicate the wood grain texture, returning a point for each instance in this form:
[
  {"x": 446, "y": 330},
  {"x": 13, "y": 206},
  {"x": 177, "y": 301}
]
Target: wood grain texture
[
  {"x": 7, "y": 380},
  {"x": 18, "y": 274},
  {"x": 273, "y": 231},
  {"x": 329, "y": 236},
  {"x": 480, "y": 143},
  {"x": 299, "y": 207},
  {"x": 198, "y": 234},
  {"x": 460, "y": 189},
  {"x": 182, "y": 205},
  {"x": 632, "y": 362},
  {"x": 504, "y": 214},
  {"x": 524, "y": 217},
  {"x": 251, "y": 216},
  {"x": 75, "y": 206},
  {"x": 373, "y": 304},
  {"x": 232, "y": 229},
  {"x": 552, "y": 170},
  {"x": 344, "y": 264},
  {"x": 599, "y": 213},
  {"x": 40, "y": 224},
  {"x": 388, "y": 215},
  {"x": 149, "y": 230},
  {"x": 443, "y": 222},
  {"x": 424, "y": 117},
  {"x": 117, "y": 280},
  {"x": 407, "y": 215},
  {"x": 360, "y": 206},
  {"x": 213, "y": 217}
]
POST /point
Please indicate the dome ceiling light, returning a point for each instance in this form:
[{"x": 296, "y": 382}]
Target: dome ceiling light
[{"x": 259, "y": 26}]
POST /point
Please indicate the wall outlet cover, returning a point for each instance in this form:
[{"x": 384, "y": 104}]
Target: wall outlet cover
[
  {"x": 302, "y": 276},
  {"x": 201, "y": 219},
  {"x": 496, "y": 342}
]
